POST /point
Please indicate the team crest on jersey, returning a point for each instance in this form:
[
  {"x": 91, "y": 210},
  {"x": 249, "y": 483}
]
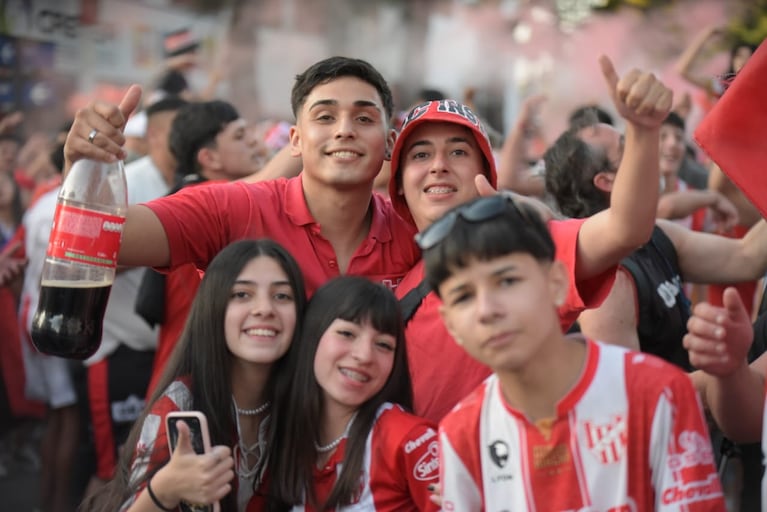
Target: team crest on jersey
[
  {"x": 607, "y": 441},
  {"x": 499, "y": 453}
]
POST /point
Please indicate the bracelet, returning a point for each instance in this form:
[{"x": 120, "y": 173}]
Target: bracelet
[{"x": 154, "y": 497}]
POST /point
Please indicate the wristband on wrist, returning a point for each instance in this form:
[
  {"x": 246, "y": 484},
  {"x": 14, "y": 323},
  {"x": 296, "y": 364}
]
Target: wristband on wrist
[{"x": 154, "y": 497}]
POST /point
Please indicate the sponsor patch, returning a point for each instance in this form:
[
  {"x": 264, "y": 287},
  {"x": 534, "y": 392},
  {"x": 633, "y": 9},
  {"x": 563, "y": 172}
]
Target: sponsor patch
[{"x": 427, "y": 467}]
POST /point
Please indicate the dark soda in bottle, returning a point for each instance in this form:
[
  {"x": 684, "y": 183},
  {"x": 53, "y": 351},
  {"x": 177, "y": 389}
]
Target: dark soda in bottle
[
  {"x": 69, "y": 318},
  {"x": 81, "y": 260}
]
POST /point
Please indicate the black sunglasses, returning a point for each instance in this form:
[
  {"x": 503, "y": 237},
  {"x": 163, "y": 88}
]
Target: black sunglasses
[{"x": 480, "y": 210}]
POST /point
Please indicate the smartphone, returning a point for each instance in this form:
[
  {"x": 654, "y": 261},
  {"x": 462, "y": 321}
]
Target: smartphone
[{"x": 198, "y": 427}]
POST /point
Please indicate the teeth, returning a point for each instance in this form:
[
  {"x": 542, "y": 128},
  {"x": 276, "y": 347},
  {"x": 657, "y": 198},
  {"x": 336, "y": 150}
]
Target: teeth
[
  {"x": 343, "y": 154},
  {"x": 261, "y": 332},
  {"x": 355, "y": 375},
  {"x": 439, "y": 190}
]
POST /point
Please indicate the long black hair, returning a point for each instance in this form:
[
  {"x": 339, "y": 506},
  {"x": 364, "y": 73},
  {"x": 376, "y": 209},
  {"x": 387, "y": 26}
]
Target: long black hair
[
  {"x": 202, "y": 355},
  {"x": 297, "y": 415}
]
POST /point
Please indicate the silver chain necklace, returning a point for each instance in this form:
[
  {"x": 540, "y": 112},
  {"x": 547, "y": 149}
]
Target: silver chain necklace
[
  {"x": 335, "y": 442},
  {"x": 257, "y": 449}
]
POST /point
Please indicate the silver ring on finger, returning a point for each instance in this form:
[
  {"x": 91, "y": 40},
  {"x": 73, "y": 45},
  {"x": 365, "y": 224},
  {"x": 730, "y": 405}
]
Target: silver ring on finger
[{"x": 92, "y": 135}]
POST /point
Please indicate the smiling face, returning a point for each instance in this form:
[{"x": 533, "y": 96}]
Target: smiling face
[
  {"x": 439, "y": 162},
  {"x": 261, "y": 315},
  {"x": 341, "y": 134},
  {"x": 352, "y": 363},
  {"x": 503, "y": 311}
]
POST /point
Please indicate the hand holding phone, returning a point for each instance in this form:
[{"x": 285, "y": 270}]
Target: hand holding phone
[
  {"x": 198, "y": 428},
  {"x": 192, "y": 437}
]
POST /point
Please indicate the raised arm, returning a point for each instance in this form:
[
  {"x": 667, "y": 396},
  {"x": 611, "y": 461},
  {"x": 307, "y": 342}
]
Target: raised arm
[
  {"x": 707, "y": 258},
  {"x": 718, "y": 341},
  {"x": 678, "y": 205},
  {"x": 514, "y": 171},
  {"x": 685, "y": 66},
  {"x": 748, "y": 214},
  {"x": 282, "y": 165},
  {"x": 607, "y": 237},
  {"x": 615, "y": 320},
  {"x": 97, "y": 134}
]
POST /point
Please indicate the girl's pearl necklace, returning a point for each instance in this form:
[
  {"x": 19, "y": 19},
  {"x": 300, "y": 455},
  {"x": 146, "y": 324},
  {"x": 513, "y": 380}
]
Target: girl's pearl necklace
[
  {"x": 334, "y": 443},
  {"x": 252, "y": 412}
]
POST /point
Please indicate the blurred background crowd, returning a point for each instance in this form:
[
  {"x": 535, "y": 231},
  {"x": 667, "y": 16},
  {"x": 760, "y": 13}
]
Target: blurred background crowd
[{"x": 517, "y": 62}]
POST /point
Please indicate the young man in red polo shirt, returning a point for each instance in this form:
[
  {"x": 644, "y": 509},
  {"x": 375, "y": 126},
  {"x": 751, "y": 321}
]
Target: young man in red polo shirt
[
  {"x": 325, "y": 216},
  {"x": 440, "y": 151}
]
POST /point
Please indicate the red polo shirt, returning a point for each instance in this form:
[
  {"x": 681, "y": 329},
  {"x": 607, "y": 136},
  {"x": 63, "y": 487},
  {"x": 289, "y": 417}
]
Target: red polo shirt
[{"x": 200, "y": 221}]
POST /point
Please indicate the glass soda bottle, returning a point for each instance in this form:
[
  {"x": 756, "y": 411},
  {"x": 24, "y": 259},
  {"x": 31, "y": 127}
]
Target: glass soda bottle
[{"x": 81, "y": 260}]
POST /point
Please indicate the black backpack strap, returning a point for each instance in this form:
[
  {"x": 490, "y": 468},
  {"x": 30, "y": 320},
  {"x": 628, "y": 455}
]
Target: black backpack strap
[
  {"x": 665, "y": 246},
  {"x": 413, "y": 299}
]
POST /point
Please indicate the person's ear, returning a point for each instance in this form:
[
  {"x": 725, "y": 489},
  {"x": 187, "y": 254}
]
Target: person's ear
[
  {"x": 208, "y": 158},
  {"x": 559, "y": 283},
  {"x": 604, "y": 181},
  {"x": 390, "y": 139},
  {"x": 295, "y": 141}
]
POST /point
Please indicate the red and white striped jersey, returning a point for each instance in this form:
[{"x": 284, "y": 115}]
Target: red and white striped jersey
[
  {"x": 629, "y": 436},
  {"x": 401, "y": 460}
]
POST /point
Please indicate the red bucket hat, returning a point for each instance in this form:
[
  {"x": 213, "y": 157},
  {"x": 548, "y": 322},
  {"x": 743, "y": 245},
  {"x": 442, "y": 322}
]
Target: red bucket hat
[{"x": 443, "y": 111}]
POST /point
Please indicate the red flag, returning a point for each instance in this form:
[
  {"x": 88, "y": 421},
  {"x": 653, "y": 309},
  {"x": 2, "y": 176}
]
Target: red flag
[{"x": 734, "y": 133}]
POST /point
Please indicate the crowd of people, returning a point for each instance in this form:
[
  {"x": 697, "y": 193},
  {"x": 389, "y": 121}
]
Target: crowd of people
[{"x": 395, "y": 310}]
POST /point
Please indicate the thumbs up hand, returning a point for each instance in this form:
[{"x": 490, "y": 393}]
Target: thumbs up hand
[
  {"x": 639, "y": 97},
  {"x": 96, "y": 132},
  {"x": 718, "y": 338},
  {"x": 191, "y": 477}
]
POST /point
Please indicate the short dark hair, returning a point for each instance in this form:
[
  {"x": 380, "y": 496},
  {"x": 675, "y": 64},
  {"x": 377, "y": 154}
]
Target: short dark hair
[
  {"x": 589, "y": 114},
  {"x": 166, "y": 104},
  {"x": 332, "y": 68},
  {"x": 171, "y": 82},
  {"x": 196, "y": 126},
  {"x": 518, "y": 228},
  {"x": 571, "y": 165},
  {"x": 428, "y": 94},
  {"x": 675, "y": 120}
]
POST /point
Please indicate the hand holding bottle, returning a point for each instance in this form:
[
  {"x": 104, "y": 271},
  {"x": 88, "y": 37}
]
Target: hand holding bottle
[
  {"x": 81, "y": 260},
  {"x": 97, "y": 130}
]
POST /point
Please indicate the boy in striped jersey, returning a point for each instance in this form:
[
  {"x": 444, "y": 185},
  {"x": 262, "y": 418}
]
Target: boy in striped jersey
[{"x": 562, "y": 424}]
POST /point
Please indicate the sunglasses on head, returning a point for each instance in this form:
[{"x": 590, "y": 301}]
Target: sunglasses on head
[{"x": 482, "y": 209}]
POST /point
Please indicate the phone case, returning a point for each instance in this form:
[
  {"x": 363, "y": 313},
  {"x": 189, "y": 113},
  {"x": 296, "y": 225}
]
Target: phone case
[{"x": 198, "y": 427}]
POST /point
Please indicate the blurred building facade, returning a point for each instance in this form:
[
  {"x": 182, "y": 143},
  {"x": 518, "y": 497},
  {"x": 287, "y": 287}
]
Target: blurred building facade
[{"x": 57, "y": 54}]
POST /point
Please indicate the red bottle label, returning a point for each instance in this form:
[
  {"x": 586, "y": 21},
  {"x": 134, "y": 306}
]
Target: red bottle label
[{"x": 85, "y": 236}]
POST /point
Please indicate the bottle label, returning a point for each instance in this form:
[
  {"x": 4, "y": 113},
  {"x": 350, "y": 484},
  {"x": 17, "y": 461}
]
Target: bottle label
[{"x": 85, "y": 236}]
